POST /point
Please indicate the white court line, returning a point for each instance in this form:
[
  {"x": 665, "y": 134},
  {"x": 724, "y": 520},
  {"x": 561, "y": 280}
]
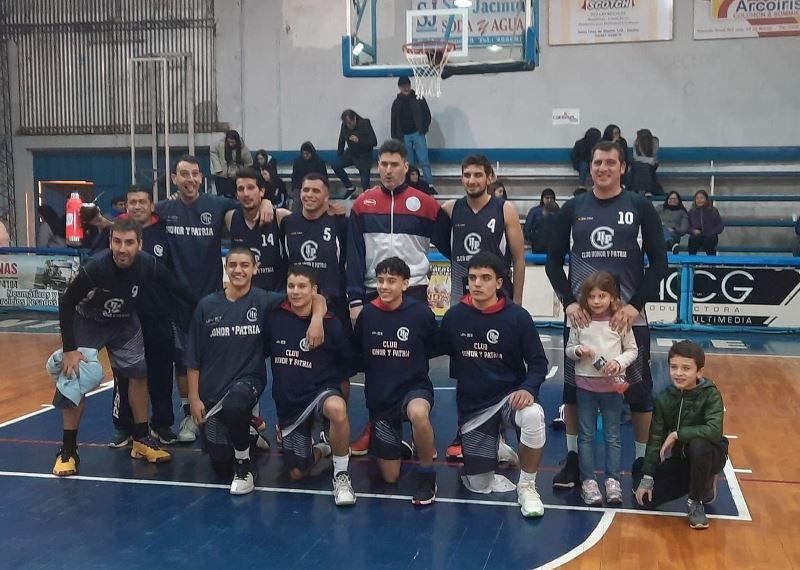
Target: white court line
[
  {"x": 594, "y": 537},
  {"x": 284, "y": 490},
  {"x": 742, "y": 470},
  {"x": 42, "y": 325},
  {"x": 736, "y": 492},
  {"x": 732, "y": 436},
  {"x": 103, "y": 387}
]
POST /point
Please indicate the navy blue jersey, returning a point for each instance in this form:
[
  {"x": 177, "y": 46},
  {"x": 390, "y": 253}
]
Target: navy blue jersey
[
  {"x": 104, "y": 293},
  {"x": 394, "y": 347},
  {"x": 605, "y": 236},
  {"x": 300, "y": 374},
  {"x": 264, "y": 241},
  {"x": 472, "y": 232},
  {"x": 492, "y": 353},
  {"x": 228, "y": 340},
  {"x": 319, "y": 244},
  {"x": 195, "y": 238}
]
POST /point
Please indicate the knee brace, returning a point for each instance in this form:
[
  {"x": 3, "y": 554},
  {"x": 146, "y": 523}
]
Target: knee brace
[
  {"x": 238, "y": 403},
  {"x": 530, "y": 421}
]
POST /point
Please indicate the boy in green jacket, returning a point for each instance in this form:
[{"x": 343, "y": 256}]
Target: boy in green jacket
[{"x": 687, "y": 426}]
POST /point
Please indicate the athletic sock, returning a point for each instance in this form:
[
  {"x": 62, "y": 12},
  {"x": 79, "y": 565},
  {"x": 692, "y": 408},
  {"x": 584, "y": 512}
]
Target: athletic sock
[
  {"x": 639, "y": 449},
  {"x": 70, "y": 440},
  {"x": 241, "y": 455},
  {"x": 525, "y": 477},
  {"x": 340, "y": 463},
  {"x": 140, "y": 431},
  {"x": 572, "y": 442}
]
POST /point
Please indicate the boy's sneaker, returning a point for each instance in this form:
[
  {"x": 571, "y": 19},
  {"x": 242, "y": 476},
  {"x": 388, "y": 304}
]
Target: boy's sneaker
[
  {"x": 147, "y": 448},
  {"x": 188, "y": 431},
  {"x": 711, "y": 492},
  {"x": 570, "y": 475},
  {"x": 164, "y": 435},
  {"x": 590, "y": 493},
  {"x": 613, "y": 492},
  {"x": 361, "y": 445},
  {"x": 343, "y": 494},
  {"x": 243, "y": 479},
  {"x": 530, "y": 502},
  {"x": 455, "y": 450},
  {"x": 506, "y": 455},
  {"x": 66, "y": 463},
  {"x": 121, "y": 438},
  {"x": 697, "y": 515},
  {"x": 426, "y": 489}
]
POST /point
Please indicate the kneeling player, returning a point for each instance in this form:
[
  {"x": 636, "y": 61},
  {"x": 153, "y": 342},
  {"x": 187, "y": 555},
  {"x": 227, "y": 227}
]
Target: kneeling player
[
  {"x": 394, "y": 336},
  {"x": 225, "y": 357},
  {"x": 306, "y": 384},
  {"x": 497, "y": 359}
]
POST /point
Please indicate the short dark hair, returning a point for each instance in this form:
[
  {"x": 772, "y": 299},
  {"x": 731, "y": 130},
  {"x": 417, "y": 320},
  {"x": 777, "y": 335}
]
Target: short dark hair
[
  {"x": 688, "y": 349},
  {"x": 139, "y": 189},
  {"x": 490, "y": 260},
  {"x": 316, "y": 176},
  {"x": 185, "y": 158},
  {"x": 126, "y": 225},
  {"x": 349, "y": 114},
  {"x": 393, "y": 146},
  {"x": 243, "y": 250},
  {"x": 606, "y": 146},
  {"x": 498, "y": 185},
  {"x": 116, "y": 199},
  {"x": 250, "y": 172},
  {"x": 477, "y": 160},
  {"x": 301, "y": 270},
  {"x": 393, "y": 266}
]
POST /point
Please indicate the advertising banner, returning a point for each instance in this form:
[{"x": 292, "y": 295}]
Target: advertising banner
[
  {"x": 34, "y": 281},
  {"x": 491, "y": 23},
  {"x": 609, "y": 21},
  {"x": 718, "y": 19}
]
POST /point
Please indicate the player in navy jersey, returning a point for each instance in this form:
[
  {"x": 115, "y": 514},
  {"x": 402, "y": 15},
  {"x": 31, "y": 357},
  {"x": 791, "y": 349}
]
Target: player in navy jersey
[
  {"x": 225, "y": 355},
  {"x": 262, "y": 239},
  {"x": 306, "y": 385},
  {"x": 605, "y": 226},
  {"x": 394, "y": 336},
  {"x": 499, "y": 364},
  {"x": 98, "y": 310},
  {"x": 482, "y": 222}
]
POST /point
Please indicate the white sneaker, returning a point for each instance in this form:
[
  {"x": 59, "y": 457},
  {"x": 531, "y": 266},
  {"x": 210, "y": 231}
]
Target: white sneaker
[
  {"x": 590, "y": 493},
  {"x": 188, "y": 431},
  {"x": 613, "y": 492},
  {"x": 343, "y": 493},
  {"x": 506, "y": 454},
  {"x": 529, "y": 500},
  {"x": 243, "y": 480}
]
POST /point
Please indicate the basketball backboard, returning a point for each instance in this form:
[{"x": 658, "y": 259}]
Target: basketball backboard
[{"x": 490, "y": 36}]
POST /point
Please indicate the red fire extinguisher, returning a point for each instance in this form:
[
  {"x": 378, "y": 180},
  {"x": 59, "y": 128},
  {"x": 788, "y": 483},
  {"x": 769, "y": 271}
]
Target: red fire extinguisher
[{"x": 74, "y": 227}]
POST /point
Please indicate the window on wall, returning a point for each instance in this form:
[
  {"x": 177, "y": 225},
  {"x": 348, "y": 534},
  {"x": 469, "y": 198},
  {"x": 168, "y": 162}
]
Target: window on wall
[{"x": 83, "y": 65}]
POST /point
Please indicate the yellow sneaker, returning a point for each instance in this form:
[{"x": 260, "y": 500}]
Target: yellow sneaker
[
  {"x": 147, "y": 448},
  {"x": 66, "y": 463}
]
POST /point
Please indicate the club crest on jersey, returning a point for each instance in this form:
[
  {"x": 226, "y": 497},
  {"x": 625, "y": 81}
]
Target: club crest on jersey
[
  {"x": 303, "y": 345},
  {"x": 309, "y": 250},
  {"x": 472, "y": 243},
  {"x": 492, "y": 335},
  {"x": 205, "y": 217},
  {"x": 256, "y": 254},
  {"x": 402, "y": 333},
  {"x": 112, "y": 307},
  {"x": 252, "y": 314},
  {"x": 413, "y": 204},
  {"x": 602, "y": 237},
  {"x": 158, "y": 250}
]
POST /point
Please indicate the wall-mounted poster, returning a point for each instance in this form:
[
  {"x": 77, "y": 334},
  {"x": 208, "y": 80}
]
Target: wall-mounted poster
[
  {"x": 609, "y": 21},
  {"x": 716, "y": 19}
]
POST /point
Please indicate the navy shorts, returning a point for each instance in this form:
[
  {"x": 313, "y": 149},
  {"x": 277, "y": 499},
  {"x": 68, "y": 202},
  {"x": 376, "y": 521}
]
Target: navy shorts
[
  {"x": 639, "y": 395},
  {"x": 298, "y": 446},
  {"x": 480, "y": 444},
  {"x": 387, "y": 426},
  {"x": 122, "y": 340}
]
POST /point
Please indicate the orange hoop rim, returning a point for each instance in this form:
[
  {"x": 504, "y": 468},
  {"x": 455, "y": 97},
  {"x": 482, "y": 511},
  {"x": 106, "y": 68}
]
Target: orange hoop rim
[{"x": 429, "y": 46}]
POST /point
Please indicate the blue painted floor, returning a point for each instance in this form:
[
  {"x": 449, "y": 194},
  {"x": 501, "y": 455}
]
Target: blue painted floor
[{"x": 126, "y": 513}]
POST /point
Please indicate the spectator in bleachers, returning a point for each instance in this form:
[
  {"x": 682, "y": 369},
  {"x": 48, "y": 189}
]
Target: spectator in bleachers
[
  {"x": 356, "y": 141},
  {"x": 705, "y": 225},
  {"x": 274, "y": 185},
  {"x": 52, "y": 231},
  {"x": 227, "y": 156},
  {"x": 641, "y": 176},
  {"x": 796, "y": 242},
  {"x": 263, "y": 158},
  {"x": 410, "y": 120},
  {"x": 645, "y": 148},
  {"x": 543, "y": 228},
  {"x": 498, "y": 189},
  {"x": 548, "y": 196},
  {"x": 118, "y": 206},
  {"x": 675, "y": 220},
  {"x": 415, "y": 180},
  {"x": 5, "y": 238},
  {"x": 582, "y": 152},
  {"x": 307, "y": 162},
  {"x": 614, "y": 134}
]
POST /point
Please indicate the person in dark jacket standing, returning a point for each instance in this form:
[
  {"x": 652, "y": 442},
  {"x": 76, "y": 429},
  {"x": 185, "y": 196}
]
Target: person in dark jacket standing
[
  {"x": 307, "y": 162},
  {"x": 359, "y": 139},
  {"x": 686, "y": 449},
  {"x": 411, "y": 118},
  {"x": 705, "y": 225}
]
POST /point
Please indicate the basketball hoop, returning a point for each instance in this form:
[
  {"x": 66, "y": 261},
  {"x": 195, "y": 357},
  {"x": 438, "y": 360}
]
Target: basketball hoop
[{"x": 428, "y": 59}]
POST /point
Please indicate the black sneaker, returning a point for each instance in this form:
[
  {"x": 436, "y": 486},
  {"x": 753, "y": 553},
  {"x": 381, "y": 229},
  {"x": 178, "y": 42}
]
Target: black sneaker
[
  {"x": 164, "y": 434},
  {"x": 426, "y": 489},
  {"x": 569, "y": 476},
  {"x": 121, "y": 438},
  {"x": 697, "y": 515}
]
